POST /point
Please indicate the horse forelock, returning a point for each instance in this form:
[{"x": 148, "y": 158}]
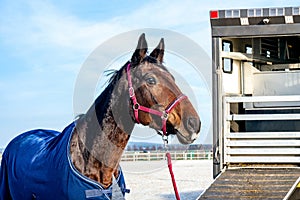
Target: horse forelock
[
  {"x": 116, "y": 74},
  {"x": 154, "y": 61}
]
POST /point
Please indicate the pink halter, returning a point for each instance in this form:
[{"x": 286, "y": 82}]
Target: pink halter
[{"x": 136, "y": 106}]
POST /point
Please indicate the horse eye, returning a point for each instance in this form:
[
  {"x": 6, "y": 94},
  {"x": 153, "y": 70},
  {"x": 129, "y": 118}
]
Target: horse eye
[{"x": 151, "y": 81}]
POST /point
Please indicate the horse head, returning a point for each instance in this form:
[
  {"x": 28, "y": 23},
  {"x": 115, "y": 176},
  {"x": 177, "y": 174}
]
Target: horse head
[{"x": 156, "y": 100}]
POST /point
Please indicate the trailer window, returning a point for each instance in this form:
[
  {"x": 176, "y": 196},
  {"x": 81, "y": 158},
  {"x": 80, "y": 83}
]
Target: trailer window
[{"x": 227, "y": 62}]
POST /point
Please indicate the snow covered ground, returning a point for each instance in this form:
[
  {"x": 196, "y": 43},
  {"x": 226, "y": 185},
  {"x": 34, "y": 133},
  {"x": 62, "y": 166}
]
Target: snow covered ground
[{"x": 150, "y": 180}]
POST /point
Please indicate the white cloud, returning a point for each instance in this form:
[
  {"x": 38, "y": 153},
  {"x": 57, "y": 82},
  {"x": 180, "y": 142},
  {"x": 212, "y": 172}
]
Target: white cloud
[{"x": 45, "y": 24}]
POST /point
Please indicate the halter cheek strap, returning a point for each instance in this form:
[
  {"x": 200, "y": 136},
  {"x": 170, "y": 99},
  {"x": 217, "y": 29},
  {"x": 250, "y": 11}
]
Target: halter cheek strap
[{"x": 137, "y": 107}]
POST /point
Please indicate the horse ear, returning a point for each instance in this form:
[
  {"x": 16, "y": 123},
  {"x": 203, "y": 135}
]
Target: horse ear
[
  {"x": 140, "y": 51},
  {"x": 159, "y": 51}
]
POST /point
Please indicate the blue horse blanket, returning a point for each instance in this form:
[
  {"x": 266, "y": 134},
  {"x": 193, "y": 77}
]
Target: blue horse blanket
[{"x": 36, "y": 165}]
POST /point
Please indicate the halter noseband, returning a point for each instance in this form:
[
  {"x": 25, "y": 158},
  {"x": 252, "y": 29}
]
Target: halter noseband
[{"x": 136, "y": 106}]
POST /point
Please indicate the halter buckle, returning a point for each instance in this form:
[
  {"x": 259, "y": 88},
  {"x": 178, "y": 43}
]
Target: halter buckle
[
  {"x": 136, "y": 106},
  {"x": 164, "y": 115}
]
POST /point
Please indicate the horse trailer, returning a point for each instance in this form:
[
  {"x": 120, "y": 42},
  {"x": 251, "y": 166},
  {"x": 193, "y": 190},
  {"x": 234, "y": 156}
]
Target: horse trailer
[{"x": 256, "y": 104}]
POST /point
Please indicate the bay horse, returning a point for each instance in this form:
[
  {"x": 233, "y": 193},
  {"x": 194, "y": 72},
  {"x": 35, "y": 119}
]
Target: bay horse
[{"x": 82, "y": 162}]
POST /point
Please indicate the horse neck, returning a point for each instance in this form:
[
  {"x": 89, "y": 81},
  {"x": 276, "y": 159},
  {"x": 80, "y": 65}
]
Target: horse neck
[{"x": 101, "y": 135}]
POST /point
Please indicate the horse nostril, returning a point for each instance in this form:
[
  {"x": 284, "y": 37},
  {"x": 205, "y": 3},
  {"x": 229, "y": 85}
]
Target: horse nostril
[{"x": 193, "y": 125}]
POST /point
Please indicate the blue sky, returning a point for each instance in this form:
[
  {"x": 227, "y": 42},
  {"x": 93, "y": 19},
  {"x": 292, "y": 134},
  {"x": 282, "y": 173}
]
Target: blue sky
[{"x": 43, "y": 45}]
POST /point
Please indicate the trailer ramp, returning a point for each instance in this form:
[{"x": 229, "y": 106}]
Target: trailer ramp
[{"x": 253, "y": 183}]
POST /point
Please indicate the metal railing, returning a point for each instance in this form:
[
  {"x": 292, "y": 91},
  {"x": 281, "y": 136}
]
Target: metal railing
[
  {"x": 260, "y": 146},
  {"x": 176, "y": 155}
]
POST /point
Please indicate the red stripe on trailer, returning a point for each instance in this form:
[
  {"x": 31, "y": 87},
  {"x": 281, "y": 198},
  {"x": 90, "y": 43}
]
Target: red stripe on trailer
[{"x": 214, "y": 14}]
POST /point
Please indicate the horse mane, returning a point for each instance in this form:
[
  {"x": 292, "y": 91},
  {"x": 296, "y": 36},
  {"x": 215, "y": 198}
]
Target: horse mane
[{"x": 115, "y": 74}]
